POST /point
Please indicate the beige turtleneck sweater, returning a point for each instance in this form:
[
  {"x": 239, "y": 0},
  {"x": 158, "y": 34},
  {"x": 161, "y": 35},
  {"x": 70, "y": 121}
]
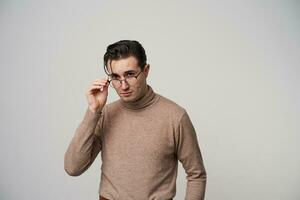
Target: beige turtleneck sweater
[{"x": 140, "y": 145}]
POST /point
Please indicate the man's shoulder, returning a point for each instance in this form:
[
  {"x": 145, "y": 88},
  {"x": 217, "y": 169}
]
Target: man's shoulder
[{"x": 170, "y": 106}]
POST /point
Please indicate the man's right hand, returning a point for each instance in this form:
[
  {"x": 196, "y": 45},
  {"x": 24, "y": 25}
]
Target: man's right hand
[{"x": 97, "y": 94}]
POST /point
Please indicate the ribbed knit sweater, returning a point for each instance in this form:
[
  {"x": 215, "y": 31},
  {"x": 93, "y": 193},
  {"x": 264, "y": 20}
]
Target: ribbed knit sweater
[{"x": 140, "y": 144}]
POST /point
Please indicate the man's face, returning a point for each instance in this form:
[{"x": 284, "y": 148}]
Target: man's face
[{"x": 133, "y": 89}]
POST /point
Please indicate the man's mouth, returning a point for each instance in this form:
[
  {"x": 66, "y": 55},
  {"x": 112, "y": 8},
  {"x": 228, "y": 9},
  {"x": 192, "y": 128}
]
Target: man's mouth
[{"x": 126, "y": 94}]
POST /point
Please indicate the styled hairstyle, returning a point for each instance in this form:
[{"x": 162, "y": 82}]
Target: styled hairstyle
[{"x": 124, "y": 49}]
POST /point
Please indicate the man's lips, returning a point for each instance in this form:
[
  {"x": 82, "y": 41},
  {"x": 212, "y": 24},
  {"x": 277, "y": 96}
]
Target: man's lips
[{"x": 126, "y": 93}]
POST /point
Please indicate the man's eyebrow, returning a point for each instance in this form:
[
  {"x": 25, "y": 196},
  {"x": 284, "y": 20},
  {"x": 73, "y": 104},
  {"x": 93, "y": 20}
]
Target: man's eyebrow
[
  {"x": 114, "y": 74},
  {"x": 129, "y": 71},
  {"x": 126, "y": 72}
]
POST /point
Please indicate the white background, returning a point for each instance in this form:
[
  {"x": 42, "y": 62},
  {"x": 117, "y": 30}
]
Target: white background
[{"x": 234, "y": 65}]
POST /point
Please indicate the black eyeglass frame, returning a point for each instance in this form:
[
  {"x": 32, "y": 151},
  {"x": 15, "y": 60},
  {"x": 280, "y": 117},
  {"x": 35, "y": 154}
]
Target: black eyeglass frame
[{"x": 120, "y": 80}]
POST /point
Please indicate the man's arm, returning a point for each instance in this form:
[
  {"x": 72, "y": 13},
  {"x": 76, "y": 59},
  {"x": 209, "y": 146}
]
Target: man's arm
[
  {"x": 188, "y": 153},
  {"x": 85, "y": 144}
]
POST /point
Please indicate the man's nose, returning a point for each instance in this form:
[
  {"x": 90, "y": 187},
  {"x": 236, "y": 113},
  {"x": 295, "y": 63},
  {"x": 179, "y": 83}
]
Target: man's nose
[{"x": 124, "y": 85}]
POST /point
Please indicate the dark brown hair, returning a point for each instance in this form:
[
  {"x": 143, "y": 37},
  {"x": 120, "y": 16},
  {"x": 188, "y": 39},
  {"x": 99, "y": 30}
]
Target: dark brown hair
[{"x": 124, "y": 49}]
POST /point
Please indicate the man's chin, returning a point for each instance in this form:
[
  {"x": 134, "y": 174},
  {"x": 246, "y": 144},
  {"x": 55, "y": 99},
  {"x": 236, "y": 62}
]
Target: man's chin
[{"x": 127, "y": 99}]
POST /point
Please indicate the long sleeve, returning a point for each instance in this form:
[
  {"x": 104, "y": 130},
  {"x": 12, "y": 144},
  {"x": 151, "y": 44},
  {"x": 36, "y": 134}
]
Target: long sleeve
[
  {"x": 188, "y": 153},
  {"x": 85, "y": 144}
]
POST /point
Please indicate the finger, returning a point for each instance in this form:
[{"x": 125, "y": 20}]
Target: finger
[
  {"x": 104, "y": 81},
  {"x": 105, "y": 86},
  {"x": 101, "y": 83},
  {"x": 99, "y": 87},
  {"x": 95, "y": 87},
  {"x": 100, "y": 80}
]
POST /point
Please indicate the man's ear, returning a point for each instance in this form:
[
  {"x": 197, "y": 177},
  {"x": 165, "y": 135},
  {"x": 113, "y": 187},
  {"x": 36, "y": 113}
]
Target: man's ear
[{"x": 146, "y": 69}]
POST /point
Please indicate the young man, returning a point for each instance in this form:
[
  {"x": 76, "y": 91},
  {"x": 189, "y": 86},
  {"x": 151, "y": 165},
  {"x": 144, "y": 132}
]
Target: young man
[{"x": 141, "y": 136}]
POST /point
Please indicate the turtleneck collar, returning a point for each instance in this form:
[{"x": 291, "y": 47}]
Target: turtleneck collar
[{"x": 148, "y": 99}]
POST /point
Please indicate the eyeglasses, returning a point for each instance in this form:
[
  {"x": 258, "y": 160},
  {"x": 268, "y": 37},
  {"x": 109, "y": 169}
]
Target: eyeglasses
[{"x": 130, "y": 78}]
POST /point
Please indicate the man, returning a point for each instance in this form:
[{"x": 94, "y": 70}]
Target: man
[{"x": 141, "y": 136}]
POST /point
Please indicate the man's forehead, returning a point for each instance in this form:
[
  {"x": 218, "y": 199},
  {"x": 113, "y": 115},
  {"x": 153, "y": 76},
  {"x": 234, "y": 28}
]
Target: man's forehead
[{"x": 121, "y": 66}]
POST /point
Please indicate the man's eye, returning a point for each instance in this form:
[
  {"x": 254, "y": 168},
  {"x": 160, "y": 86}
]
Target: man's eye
[{"x": 130, "y": 74}]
